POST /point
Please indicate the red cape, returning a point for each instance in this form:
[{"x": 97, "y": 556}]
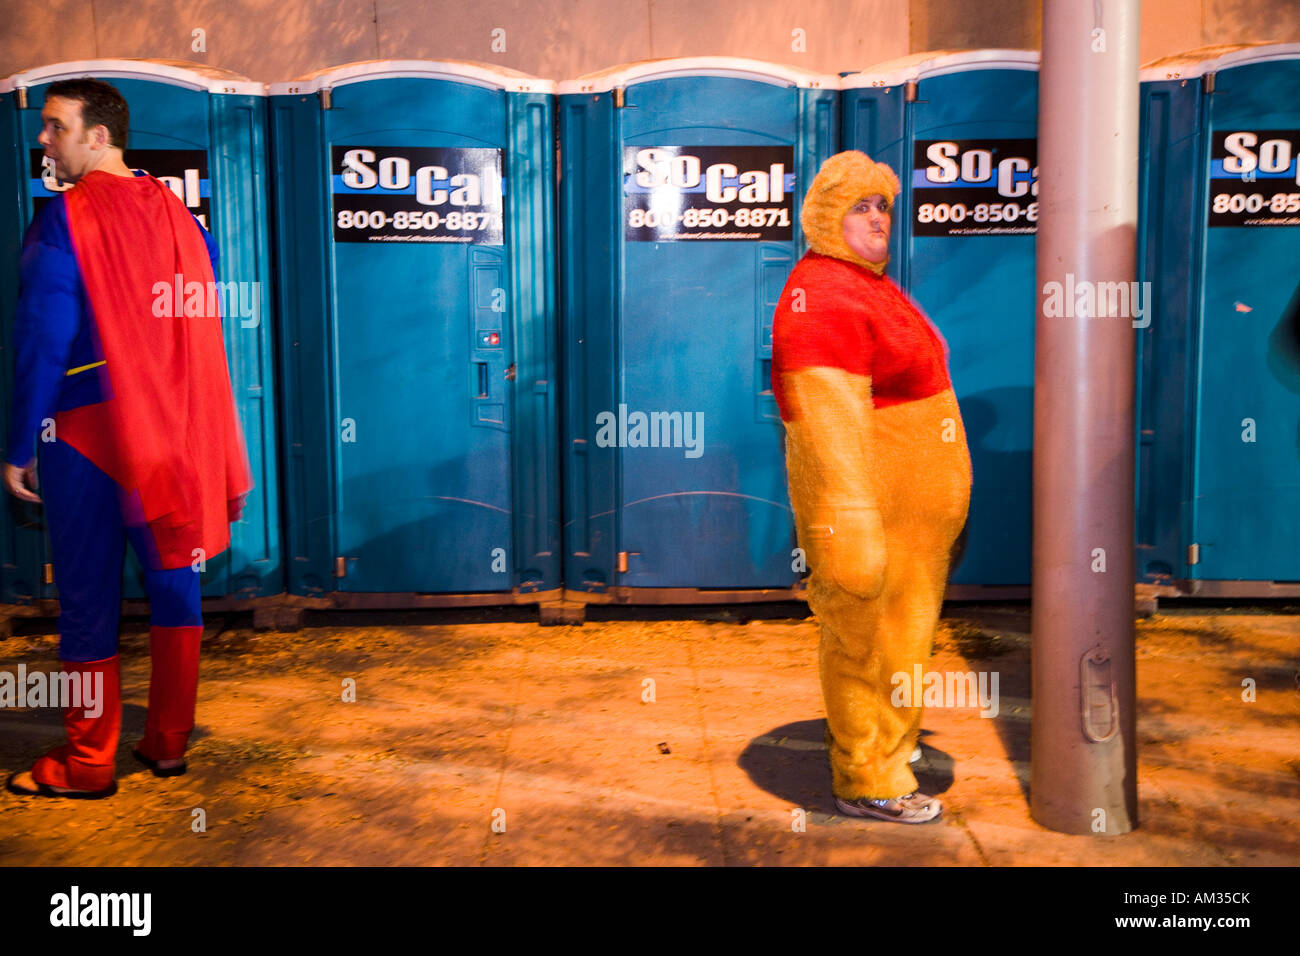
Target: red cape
[{"x": 167, "y": 433}]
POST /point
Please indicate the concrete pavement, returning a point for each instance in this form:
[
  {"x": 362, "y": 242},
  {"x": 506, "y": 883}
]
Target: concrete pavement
[{"x": 648, "y": 742}]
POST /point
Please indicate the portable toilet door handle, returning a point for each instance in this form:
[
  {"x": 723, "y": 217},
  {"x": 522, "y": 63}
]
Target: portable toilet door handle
[{"x": 488, "y": 403}]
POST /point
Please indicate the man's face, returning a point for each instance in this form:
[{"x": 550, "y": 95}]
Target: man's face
[
  {"x": 866, "y": 228},
  {"x": 73, "y": 148}
]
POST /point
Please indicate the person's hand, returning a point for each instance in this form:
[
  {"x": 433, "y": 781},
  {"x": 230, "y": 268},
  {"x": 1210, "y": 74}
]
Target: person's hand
[
  {"x": 849, "y": 548},
  {"x": 20, "y": 481}
]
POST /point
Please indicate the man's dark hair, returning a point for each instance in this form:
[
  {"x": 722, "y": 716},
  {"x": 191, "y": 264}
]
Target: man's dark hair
[{"x": 101, "y": 104}]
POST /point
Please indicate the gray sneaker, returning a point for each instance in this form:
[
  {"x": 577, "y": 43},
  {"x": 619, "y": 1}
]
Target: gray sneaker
[{"x": 914, "y": 807}]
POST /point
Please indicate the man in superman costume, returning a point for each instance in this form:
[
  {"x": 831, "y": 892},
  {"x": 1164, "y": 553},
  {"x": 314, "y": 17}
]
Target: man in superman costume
[
  {"x": 879, "y": 477},
  {"x": 144, "y": 445}
]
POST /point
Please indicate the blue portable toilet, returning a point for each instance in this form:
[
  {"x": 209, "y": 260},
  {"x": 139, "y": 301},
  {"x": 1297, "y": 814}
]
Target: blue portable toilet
[
  {"x": 202, "y": 131},
  {"x": 961, "y": 130},
  {"x": 1218, "y": 490},
  {"x": 681, "y": 186},
  {"x": 416, "y": 281},
  {"x": 21, "y": 546}
]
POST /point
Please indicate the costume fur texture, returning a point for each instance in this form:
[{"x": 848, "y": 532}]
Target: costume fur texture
[
  {"x": 844, "y": 179},
  {"x": 879, "y": 476}
]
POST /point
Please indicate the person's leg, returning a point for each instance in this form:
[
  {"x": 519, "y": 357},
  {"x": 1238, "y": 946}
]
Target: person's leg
[
  {"x": 870, "y": 654},
  {"x": 87, "y": 543},
  {"x": 863, "y": 644},
  {"x": 175, "y": 633}
]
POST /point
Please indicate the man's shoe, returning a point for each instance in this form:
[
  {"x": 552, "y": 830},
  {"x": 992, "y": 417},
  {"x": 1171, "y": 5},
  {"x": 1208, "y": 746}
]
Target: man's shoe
[
  {"x": 154, "y": 765},
  {"x": 914, "y": 807},
  {"x": 37, "y": 789}
]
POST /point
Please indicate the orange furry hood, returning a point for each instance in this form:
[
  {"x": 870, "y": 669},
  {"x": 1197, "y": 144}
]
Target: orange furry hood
[{"x": 843, "y": 180}]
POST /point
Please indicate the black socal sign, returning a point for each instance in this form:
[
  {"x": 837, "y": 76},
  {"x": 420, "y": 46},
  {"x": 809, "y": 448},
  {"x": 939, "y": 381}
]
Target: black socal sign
[
  {"x": 184, "y": 171},
  {"x": 676, "y": 193},
  {"x": 970, "y": 187},
  {"x": 1254, "y": 178},
  {"x": 417, "y": 194}
]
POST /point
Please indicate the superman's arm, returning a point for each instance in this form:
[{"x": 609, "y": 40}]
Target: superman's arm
[
  {"x": 214, "y": 254},
  {"x": 48, "y": 318}
]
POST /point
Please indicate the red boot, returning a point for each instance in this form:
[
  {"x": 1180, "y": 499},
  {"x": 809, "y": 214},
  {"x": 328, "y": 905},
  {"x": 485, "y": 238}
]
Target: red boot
[
  {"x": 84, "y": 766},
  {"x": 173, "y": 689}
]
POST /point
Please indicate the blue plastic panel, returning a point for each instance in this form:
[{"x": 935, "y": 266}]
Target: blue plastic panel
[{"x": 1169, "y": 254}]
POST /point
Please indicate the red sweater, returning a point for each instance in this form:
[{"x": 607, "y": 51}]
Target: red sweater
[{"x": 836, "y": 314}]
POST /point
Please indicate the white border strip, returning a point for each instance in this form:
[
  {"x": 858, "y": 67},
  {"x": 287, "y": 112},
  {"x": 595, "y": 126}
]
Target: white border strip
[
  {"x": 458, "y": 71},
  {"x": 1196, "y": 63},
  {"x": 733, "y": 67},
  {"x": 173, "y": 72},
  {"x": 922, "y": 66}
]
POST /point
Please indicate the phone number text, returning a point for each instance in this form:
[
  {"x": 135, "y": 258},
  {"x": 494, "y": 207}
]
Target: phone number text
[
  {"x": 377, "y": 219},
  {"x": 703, "y": 218},
  {"x": 981, "y": 212},
  {"x": 1254, "y": 202}
]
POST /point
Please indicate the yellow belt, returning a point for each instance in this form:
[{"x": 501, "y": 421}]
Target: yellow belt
[{"x": 82, "y": 368}]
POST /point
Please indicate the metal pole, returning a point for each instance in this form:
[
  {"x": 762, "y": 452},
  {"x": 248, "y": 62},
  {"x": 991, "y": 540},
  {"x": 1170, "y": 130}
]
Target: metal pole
[{"x": 1083, "y": 767}]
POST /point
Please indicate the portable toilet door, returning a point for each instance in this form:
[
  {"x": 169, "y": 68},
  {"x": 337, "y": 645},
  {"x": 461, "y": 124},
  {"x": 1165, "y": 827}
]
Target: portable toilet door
[
  {"x": 202, "y": 131},
  {"x": 415, "y": 212},
  {"x": 681, "y": 187},
  {"x": 1220, "y": 363},
  {"x": 1169, "y": 186},
  {"x": 22, "y": 549},
  {"x": 962, "y": 127}
]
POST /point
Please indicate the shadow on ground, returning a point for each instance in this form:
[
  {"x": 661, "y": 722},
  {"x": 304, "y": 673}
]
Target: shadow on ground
[{"x": 790, "y": 763}]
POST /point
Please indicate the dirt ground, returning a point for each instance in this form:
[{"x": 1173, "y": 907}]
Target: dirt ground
[{"x": 484, "y": 738}]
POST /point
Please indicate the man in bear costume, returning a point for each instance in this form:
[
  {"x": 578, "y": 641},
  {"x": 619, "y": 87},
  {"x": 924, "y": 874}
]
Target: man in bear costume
[{"x": 879, "y": 477}]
